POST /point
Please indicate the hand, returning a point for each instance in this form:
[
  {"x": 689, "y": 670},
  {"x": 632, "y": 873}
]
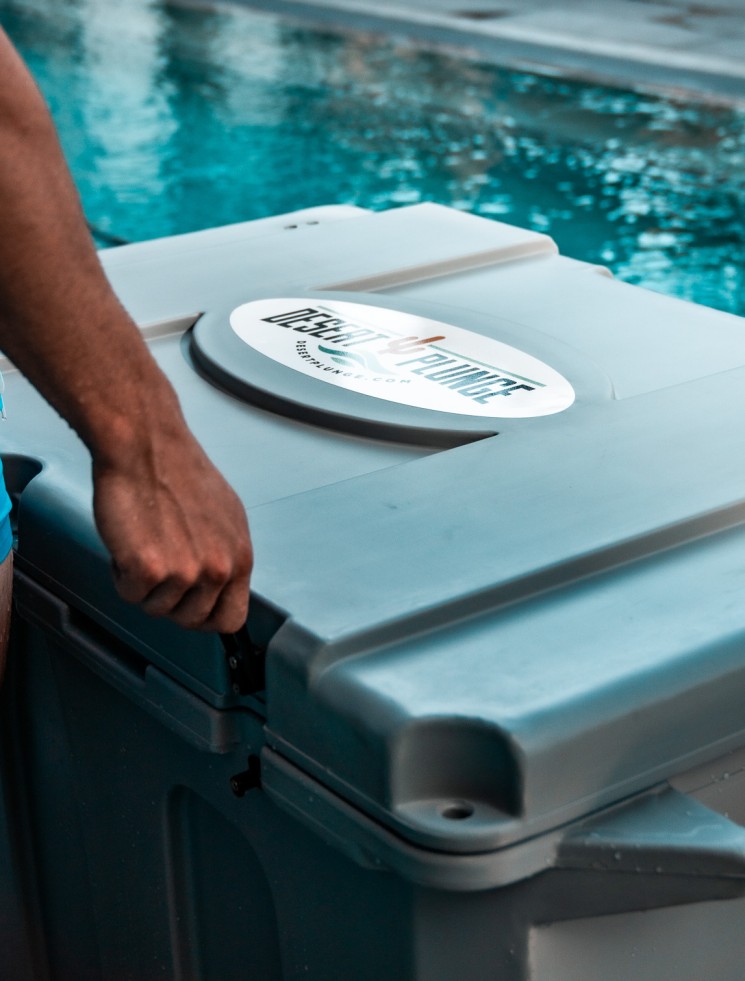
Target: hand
[{"x": 177, "y": 533}]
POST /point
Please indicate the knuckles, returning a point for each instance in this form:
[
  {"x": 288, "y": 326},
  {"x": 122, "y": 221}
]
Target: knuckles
[
  {"x": 217, "y": 569},
  {"x": 193, "y": 590}
]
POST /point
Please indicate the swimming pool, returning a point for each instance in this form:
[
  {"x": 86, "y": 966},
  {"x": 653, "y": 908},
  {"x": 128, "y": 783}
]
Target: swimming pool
[{"x": 175, "y": 118}]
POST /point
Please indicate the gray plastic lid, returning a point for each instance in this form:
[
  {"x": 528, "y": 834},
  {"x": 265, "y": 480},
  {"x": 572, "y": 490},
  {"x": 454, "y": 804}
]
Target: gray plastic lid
[
  {"x": 475, "y": 645},
  {"x": 520, "y": 630}
]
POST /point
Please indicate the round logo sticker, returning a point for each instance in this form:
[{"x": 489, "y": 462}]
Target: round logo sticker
[{"x": 402, "y": 358}]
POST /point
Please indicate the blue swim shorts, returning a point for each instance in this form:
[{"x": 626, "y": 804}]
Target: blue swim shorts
[{"x": 6, "y": 533}]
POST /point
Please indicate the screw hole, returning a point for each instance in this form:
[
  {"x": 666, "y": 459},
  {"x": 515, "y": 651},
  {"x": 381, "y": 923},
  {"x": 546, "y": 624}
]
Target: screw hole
[{"x": 457, "y": 810}]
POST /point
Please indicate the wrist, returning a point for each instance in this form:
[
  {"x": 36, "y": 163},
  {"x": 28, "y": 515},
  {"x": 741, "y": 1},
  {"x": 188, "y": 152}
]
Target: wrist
[{"x": 135, "y": 427}]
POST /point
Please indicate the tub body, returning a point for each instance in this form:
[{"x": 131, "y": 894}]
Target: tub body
[{"x": 485, "y": 716}]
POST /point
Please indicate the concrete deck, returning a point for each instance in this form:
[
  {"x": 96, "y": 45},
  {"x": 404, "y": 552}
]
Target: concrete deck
[{"x": 695, "y": 47}]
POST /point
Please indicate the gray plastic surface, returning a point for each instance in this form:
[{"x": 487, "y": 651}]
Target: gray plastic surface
[
  {"x": 522, "y": 603},
  {"x": 445, "y": 631}
]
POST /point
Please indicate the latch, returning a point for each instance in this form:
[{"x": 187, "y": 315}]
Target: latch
[
  {"x": 249, "y": 779},
  {"x": 246, "y": 663}
]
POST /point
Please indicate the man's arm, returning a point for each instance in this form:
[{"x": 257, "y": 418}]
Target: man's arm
[{"x": 176, "y": 531}]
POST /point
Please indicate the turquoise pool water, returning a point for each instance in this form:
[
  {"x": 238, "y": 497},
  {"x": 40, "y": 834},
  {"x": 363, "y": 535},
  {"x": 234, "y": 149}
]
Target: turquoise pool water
[{"x": 176, "y": 118}]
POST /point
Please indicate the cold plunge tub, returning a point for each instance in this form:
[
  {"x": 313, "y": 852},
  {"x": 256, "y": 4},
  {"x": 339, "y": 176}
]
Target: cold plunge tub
[{"x": 487, "y": 715}]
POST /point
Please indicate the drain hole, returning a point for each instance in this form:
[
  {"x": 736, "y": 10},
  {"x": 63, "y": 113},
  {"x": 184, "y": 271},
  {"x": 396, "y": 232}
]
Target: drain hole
[{"x": 457, "y": 810}]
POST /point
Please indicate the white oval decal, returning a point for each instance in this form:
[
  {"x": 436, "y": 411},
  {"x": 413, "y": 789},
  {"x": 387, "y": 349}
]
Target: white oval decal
[{"x": 402, "y": 358}]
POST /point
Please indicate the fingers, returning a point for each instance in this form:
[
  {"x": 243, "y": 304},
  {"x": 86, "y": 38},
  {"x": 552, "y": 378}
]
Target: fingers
[
  {"x": 211, "y": 595},
  {"x": 204, "y": 607},
  {"x": 177, "y": 534},
  {"x": 230, "y": 612}
]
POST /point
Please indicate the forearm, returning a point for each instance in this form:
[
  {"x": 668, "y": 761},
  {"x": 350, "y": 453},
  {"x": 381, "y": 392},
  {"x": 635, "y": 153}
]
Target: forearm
[
  {"x": 54, "y": 296},
  {"x": 176, "y": 531}
]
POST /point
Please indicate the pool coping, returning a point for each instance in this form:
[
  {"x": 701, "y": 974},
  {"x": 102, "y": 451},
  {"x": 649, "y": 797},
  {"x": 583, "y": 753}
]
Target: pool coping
[{"x": 687, "y": 74}]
